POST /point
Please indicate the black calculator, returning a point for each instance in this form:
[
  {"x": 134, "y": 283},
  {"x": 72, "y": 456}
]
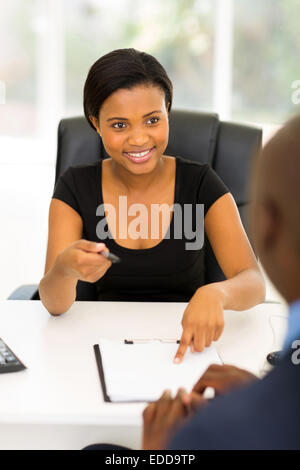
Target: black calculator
[{"x": 8, "y": 360}]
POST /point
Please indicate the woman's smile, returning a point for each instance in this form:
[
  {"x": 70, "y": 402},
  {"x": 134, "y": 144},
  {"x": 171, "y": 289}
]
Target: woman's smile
[{"x": 140, "y": 157}]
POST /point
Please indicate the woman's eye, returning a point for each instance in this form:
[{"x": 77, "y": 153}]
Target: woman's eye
[
  {"x": 155, "y": 119},
  {"x": 117, "y": 124},
  {"x": 121, "y": 125}
]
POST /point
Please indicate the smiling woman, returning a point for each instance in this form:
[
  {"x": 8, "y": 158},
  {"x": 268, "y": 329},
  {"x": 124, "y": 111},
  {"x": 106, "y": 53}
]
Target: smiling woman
[
  {"x": 127, "y": 100},
  {"x": 139, "y": 137}
]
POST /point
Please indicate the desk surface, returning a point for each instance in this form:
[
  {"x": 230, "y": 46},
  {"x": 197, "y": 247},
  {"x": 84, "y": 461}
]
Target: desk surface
[{"x": 61, "y": 383}]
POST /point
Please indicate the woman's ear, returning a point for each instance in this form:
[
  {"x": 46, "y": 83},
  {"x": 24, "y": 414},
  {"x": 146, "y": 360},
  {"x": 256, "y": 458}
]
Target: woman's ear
[
  {"x": 168, "y": 109},
  {"x": 94, "y": 121}
]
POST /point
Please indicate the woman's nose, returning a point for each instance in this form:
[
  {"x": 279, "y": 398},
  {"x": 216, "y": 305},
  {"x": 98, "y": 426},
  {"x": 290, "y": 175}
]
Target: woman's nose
[{"x": 138, "y": 138}]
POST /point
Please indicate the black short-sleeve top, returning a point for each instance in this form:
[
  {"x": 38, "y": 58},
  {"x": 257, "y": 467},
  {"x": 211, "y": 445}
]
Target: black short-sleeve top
[{"x": 167, "y": 271}]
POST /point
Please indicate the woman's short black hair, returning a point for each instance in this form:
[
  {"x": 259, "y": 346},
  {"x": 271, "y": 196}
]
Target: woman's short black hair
[{"x": 122, "y": 68}]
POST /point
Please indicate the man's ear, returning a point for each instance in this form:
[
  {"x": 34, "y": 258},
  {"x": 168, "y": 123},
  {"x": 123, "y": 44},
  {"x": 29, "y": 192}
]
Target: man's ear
[{"x": 268, "y": 225}]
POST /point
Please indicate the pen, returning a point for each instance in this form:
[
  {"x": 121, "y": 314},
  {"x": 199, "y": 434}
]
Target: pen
[
  {"x": 273, "y": 358},
  {"x": 113, "y": 258},
  {"x": 137, "y": 341}
]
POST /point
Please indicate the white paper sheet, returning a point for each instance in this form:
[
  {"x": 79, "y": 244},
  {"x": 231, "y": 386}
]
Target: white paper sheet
[{"x": 141, "y": 372}]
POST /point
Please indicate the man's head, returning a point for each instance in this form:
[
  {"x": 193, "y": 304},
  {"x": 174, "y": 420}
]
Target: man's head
[{"x": 275, "y": 215}]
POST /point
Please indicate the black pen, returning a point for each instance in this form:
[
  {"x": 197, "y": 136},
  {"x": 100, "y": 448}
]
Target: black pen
[
  {"x": 113, "y": 258},
  {"x": 274, "y": 357},
  {"x": 162, "y": 340}
]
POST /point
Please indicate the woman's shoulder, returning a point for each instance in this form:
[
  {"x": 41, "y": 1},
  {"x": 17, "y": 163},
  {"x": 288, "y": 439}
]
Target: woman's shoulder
[
  {"x": 81, "y": 172},
  {"x": 79, "y": 182},
  {"x": 193, "y": 164},
  {"x": 200, "y": 177},
  {"x": 191, "y": 169},
  {"x": 84, "y": 167},
  {"x": 77, "y": 178}
]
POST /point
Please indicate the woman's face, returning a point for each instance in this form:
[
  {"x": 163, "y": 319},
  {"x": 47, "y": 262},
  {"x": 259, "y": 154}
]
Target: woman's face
[{"x": 134, "y": 127}]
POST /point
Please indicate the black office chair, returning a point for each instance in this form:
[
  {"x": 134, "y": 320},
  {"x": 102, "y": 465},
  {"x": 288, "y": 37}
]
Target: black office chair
[{"x": 227, "y": 147}]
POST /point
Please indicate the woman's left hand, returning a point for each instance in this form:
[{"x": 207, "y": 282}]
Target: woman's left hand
[{"x": 202, "y": 321}]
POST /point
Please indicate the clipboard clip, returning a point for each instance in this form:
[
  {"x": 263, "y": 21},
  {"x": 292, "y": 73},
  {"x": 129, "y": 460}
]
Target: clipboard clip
[{"x": 141, "y": 341}]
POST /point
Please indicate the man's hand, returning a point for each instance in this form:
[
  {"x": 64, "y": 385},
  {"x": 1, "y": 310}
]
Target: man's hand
[
  {"x": 162, "y": 417},
  {"x": 223, "y": 378},
  {"x": 202, "y": 321}
]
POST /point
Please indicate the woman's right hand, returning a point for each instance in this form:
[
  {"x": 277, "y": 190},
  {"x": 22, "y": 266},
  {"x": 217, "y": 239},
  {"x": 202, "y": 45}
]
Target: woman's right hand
[{"x": 82, "y": 260}]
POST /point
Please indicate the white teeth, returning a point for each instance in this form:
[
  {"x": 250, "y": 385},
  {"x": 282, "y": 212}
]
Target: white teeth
[{"x": 140, "y": 154}]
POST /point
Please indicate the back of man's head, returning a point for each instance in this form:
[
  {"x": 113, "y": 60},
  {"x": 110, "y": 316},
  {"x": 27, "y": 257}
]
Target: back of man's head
[{"x": 275, "y": 215}]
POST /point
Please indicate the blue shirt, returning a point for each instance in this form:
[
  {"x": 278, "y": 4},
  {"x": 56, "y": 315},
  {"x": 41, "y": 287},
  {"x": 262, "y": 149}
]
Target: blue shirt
[{"x": 293, "y": 331}]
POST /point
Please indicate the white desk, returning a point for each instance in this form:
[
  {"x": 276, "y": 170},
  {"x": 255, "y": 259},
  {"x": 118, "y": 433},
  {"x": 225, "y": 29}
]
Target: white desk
[{"x": 56, "y": 403}]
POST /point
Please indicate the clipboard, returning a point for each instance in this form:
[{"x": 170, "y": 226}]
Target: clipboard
[{"x": 151, "y": 381}]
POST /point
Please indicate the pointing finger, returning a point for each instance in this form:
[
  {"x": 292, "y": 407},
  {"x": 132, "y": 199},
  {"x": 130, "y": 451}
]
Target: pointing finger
[{"x": 185, "y": 340}]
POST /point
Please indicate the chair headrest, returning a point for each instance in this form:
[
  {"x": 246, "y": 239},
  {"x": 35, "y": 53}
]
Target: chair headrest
[{"x": 193, "y": 135}]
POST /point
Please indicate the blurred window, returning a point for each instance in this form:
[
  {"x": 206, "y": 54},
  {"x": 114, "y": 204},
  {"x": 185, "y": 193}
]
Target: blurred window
[
  {"x": 265, "y": 59},
  {"x": 244, "y": 72},
  {"x": 18, "y": 69},
  {"x": 179, "y": 33}
]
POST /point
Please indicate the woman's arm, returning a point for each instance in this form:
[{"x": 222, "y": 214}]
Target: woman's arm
[
  {"x": 245, "y": 285},
  {"x": 203, "y": 319},
  {"x": 69, "y": 259},
  {"x": 57, "y": 290}
]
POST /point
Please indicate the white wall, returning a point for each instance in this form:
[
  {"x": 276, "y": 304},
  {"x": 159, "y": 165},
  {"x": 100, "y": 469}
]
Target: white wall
[{"x": 25, "y": 193}]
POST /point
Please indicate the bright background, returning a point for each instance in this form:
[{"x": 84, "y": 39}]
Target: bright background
[{"x": 238, "y": 58}]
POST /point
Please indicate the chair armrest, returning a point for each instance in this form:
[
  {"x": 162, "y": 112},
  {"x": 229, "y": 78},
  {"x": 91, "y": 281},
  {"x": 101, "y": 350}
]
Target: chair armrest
[{"x": 25, "y": 292}]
